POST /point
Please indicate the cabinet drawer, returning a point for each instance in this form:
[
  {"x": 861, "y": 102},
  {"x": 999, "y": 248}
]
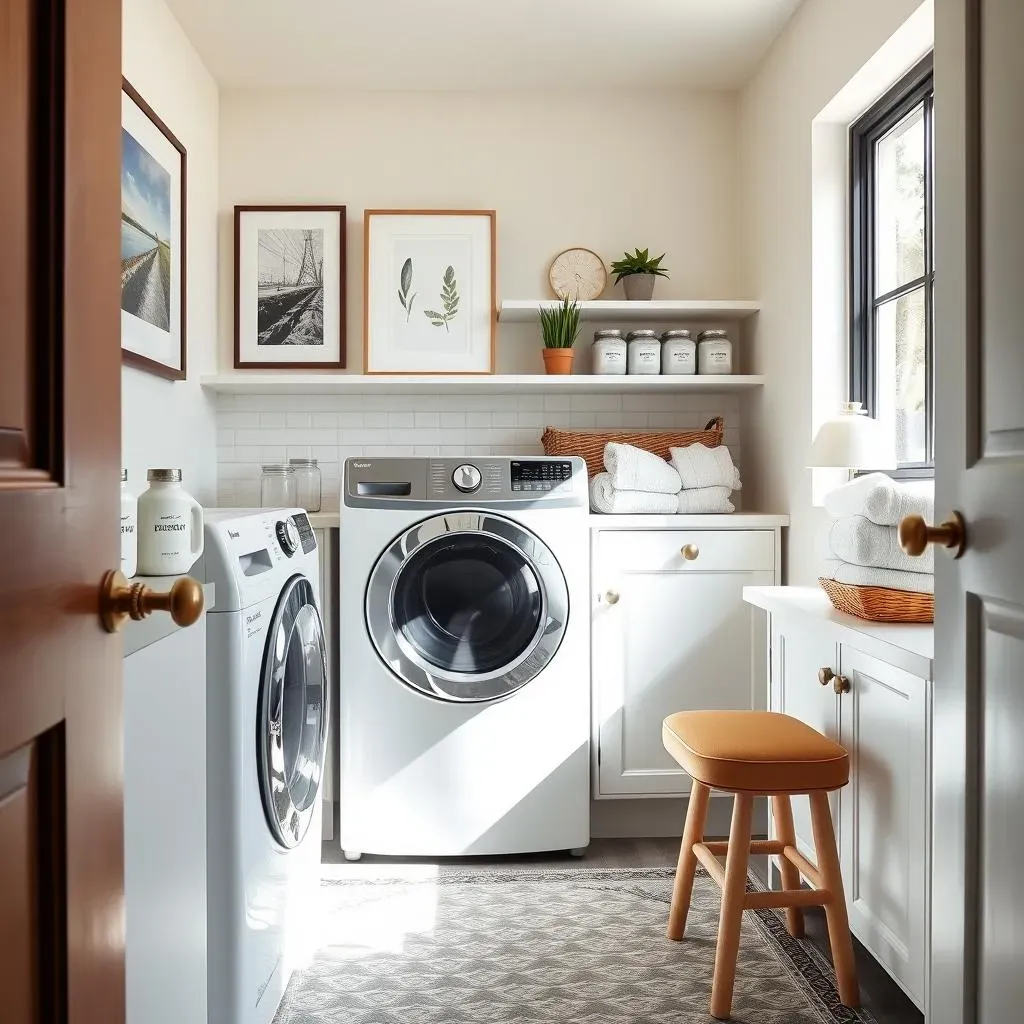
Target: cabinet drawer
[{"x": 662, "y": 550}]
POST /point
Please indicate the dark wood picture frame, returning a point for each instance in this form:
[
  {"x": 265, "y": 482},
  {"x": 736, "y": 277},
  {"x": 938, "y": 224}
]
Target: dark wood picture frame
[
  {"x": 141, "y": 362},
  {"x": 338, "y": 364}
]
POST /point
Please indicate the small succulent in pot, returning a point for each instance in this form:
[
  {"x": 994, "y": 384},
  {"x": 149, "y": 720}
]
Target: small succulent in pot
[
  {"x": 560, "y": 327},
  {"x": 637, "y": 271}
]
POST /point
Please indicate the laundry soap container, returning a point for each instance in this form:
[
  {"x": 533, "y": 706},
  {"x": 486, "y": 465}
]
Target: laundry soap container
[
  {"x": 170, "y": 526},
  {"x": 129, "y": 528}
]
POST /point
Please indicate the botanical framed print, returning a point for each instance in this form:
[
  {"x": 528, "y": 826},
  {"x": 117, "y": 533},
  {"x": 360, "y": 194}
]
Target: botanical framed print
[
  {"x": 429, "y": 284},
  {"x": 153, "y": 182},
  {"x": 290, "y": 287}
]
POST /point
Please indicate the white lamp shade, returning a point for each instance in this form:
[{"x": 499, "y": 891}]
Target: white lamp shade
[{"x": 853, "y": 440}]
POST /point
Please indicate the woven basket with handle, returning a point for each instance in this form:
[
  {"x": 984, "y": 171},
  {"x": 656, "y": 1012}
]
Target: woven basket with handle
[
  {"x": 879, "y": 604},
  {"x": 589, "y": 444}
]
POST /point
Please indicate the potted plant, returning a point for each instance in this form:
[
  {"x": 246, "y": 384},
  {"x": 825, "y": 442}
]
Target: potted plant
[
  {"x": 637, "y": 272},
  {"x": 560, "y": 326}
]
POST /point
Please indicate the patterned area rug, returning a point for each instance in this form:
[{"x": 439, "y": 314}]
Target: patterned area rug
[{"x": 580, "y": 945}]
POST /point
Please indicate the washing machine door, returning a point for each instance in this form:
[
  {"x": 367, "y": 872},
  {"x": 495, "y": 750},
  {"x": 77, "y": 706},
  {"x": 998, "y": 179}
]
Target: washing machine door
[
  {"x": 291, "y": 713},
  {"x": 467, "y": 606}
]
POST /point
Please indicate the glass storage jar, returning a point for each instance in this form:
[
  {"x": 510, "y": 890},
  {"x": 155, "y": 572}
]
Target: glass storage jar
[
  {"x": 609, "y": 352},
  {"x": 714, "y": 352},
  {"x": 277, "y": 486},
  {"x": 307, "y": 483},
  {"x": 644, "y": 355},
  {"x": 678, "y": 352}
]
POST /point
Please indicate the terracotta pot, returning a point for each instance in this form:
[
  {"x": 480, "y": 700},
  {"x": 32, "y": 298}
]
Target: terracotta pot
[
  {"x": 558, "y": 360},
  {"x": 639, "y": 287}
]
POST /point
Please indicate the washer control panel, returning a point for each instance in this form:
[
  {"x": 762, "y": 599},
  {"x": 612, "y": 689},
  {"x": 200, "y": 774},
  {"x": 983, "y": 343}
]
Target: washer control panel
[
  {"x": 467, "y": 478},
  {"x": 540, "y": 474}
]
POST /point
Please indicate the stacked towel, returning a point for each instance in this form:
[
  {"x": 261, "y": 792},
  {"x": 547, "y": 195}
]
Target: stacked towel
[
  {"x": 708, "y": 476},
  {"x": 866, "y": 513}
]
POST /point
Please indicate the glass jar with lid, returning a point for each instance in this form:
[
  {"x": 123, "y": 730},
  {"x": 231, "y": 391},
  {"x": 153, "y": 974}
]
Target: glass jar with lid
[
  {"x": 609, "y": 352},
  {"x": 644, "y": 352},
  {"x": 714, "y": 352},
  {"x": 678, "y": 352},
  {"x": 307, "y": 483},
  {"x": 277, "y": 486}
]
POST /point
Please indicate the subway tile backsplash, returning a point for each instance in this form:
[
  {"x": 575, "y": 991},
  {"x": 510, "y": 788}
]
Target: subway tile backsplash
[{"x": 255, "y": 429}]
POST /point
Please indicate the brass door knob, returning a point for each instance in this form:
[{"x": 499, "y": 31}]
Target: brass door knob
[
  {"x": 612, "y": 596},
  {"x": 689, "y": 551},
  {"x": 841, "y": 684},
  {"x": 121, "y": 600},
  {"x": 825, "y": 675},
  {"x": 915, "y": 535}
]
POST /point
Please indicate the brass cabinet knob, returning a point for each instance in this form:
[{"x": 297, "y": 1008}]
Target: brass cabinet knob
[
  {"x": 121, "y": 600},
  {"x": 825, "y": 675},
  {"x": 841, "y": 684},
  {"x": 689, "y": 551},
  {"x": 915, "y": 535},
  {"x": 612, "y": 596}
]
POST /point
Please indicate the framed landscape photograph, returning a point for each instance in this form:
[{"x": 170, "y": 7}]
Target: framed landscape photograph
[
  {"x": 429, "y": 283},
  {"x": 290, "y": 287},
  {"x": 153, "y": 176}
]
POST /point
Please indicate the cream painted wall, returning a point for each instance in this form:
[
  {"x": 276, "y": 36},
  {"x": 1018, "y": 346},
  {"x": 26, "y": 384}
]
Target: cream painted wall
[
  {"x": 602, "y": 171},
  {"x": 823, "y": 48},
  {"x": 168, "y": 423}
]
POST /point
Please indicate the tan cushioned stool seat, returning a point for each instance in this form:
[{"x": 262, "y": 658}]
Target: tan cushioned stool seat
[{"x": 754, "y": 751}]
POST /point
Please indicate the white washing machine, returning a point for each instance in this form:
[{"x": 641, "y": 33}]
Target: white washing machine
[
  {"x": 267, "y": 723},
  {"x": 465, "y": 677}
]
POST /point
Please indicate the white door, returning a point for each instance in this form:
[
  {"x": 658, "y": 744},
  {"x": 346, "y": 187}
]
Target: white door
[
  {"x": 801, "y": 657},
  {"x": 883, "y": 814},
  {"x": 669, "y": 634},
  {"x": 977, "y": 895}
]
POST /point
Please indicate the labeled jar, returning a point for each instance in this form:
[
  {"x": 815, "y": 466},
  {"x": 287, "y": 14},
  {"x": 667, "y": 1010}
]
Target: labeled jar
[
  {"x": 129, "y": 529},
  {"x": 608, "y": 352},
  {"x": 278, "y": 487},
  {"x": 170, "y": 526},
  {"x": 307, "y": 483},
  {"x": 714, "y": 352},
  {"x": 678, "y": 352},
  {"x": 644, "y": 352}
]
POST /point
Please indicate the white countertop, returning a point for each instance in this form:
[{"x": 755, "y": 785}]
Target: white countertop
[
  {"x": 733, "y": 521},
  {"x": 160, "y": 624}
]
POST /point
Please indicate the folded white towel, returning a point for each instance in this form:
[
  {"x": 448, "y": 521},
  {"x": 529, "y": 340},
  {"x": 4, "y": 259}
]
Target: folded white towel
[
  {"x": 882, "y": 500},
  {"x": 858, "y": 540},
  {"x": 606, "y": 498},
  {"x": 895, "y": 579},
  {"x": 633, "y": 469},
  {"x": 705, "y": 499},
  {"x": 700, "y": 466}
]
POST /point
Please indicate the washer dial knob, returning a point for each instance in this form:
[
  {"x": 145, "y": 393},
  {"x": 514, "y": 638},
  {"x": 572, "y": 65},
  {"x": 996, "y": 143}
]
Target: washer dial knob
[
  {"x": 287, "y": 536},
  {"x": 466, "y": 478}
]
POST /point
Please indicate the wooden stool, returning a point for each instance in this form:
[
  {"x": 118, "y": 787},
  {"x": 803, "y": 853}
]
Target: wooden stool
[{"x": 760, "y": 753}]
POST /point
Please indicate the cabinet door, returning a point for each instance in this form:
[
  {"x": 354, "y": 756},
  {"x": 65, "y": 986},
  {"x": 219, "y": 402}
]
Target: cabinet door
[
  {"x": 668, "y": 635},
  {"x": 884, "y": 814},
  {"x": 799, "y": 651}
]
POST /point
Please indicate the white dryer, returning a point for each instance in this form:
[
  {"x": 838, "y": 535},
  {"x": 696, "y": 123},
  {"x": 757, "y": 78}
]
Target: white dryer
[
  {"x": 267, "y": 721},
  {"x": 465, "y": 675}
]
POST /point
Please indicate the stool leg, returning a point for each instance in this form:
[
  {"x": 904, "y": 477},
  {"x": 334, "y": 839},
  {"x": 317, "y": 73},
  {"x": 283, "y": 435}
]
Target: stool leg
[
  {"x": 835, "y": 912},
  {"x": 733, "y": 898},
  {"x": 693, "y": 832},
  {"x": 785, "y": 832}
]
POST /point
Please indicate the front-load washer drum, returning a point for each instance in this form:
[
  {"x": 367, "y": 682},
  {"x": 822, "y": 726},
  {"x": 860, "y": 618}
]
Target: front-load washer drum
[
  {"x": 291, "y": 718},
  {"x": 467, "y": 606}
]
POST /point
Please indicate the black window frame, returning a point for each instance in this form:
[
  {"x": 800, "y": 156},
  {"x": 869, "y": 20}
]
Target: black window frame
[{"x": 915, "y": 88}]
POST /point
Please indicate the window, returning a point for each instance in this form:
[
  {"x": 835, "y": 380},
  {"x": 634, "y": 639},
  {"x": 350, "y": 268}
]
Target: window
[{"x": 893, "y": 281}]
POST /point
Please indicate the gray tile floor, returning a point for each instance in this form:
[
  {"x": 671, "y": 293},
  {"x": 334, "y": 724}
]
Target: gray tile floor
[{"x": 882, "y": 996}]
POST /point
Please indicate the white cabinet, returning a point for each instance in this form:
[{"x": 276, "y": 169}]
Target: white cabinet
[{"x": 670, "y": 633}]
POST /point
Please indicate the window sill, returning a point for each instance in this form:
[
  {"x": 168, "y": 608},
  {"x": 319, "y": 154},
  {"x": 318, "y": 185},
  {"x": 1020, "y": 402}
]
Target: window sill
[{"x": 906, "y": 473}]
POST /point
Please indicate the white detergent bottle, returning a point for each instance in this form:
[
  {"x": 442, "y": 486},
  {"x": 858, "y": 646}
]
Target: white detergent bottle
[
  {"x": 129, "y": 528},
  {"x": 170, "y": 526}
]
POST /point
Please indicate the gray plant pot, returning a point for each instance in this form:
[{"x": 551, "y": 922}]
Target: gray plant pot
[{"x": 639, "y": 287}]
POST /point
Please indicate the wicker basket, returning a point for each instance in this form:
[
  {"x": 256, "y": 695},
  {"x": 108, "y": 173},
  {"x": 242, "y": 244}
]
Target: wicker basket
[
  {"x": 879, "y": 604},
  {"x": 589, "y": 444}
]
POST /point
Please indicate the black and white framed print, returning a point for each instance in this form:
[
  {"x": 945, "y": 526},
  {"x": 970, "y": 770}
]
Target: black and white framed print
[
  {"x": 153, "y": 182},
  {"x": 290, "y": 287}
]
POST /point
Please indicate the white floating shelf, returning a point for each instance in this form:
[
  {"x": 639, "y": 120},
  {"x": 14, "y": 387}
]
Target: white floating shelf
[
  {"x": 258, "y": 382},
  {"x": 516, "y": 310}
]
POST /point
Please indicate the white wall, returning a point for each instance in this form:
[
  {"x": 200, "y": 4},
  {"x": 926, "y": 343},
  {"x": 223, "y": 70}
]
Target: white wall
[
  {"x": 823, "y": 48},
  {"x": 168, "y": 423}
]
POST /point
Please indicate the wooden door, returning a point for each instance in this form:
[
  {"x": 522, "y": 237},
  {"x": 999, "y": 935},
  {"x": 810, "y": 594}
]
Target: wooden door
[
  {"x": 883, "y": 814},
  {"x": 61, "y": 904},
  {"x": 977, "y": 895}
]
